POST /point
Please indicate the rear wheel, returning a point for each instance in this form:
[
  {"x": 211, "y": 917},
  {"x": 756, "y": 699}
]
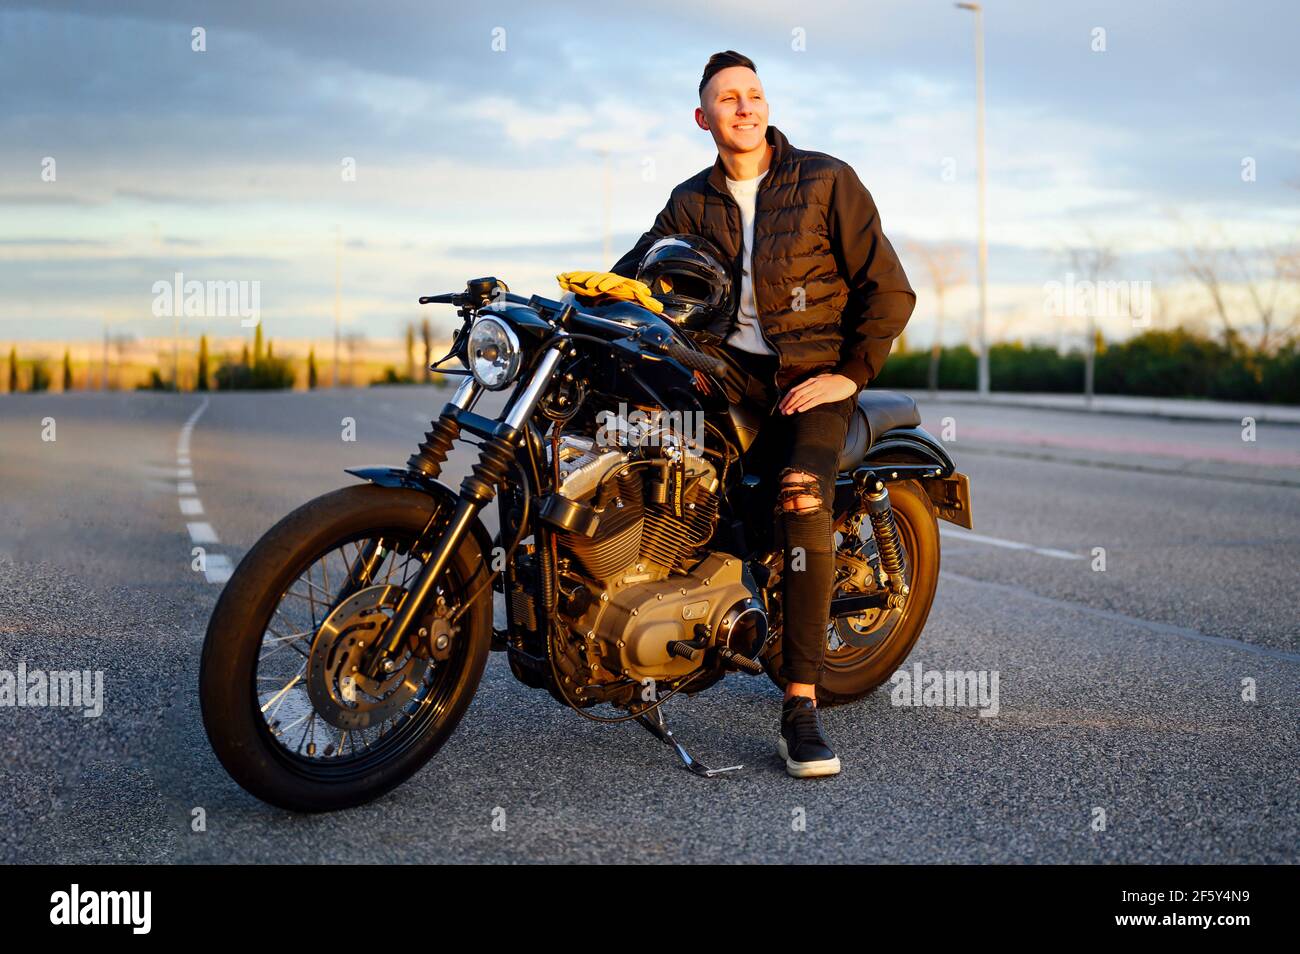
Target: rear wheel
[
  {"x": 864, "y": 650},
  {"x": 287, "y": 710}
]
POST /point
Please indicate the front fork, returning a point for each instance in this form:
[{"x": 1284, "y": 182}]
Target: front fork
[{"x": 501, "y": 438}]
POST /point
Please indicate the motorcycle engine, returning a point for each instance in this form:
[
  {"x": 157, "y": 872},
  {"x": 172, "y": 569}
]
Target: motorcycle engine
[{"x": 642, "y": 581}]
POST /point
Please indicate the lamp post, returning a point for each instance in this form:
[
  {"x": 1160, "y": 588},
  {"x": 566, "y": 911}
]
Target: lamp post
[
  {"x": 983, "y": 239},
  {"x": 606, "y": 245},
  {"x": 338, "y": 308}
]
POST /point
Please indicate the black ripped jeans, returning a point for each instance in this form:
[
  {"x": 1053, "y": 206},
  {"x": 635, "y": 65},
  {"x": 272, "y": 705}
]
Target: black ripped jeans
[{"x": 807, "y": 442}]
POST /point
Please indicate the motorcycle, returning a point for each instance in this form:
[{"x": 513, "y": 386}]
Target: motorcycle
[{"x": 351, "y": 638}]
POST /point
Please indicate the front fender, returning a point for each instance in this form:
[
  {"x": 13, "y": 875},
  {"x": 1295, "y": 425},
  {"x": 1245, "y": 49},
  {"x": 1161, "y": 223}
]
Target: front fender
[{"x": 400, "y": 477}]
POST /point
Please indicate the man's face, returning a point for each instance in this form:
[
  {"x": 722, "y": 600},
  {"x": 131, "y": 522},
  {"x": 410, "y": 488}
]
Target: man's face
[{"x": 734, "y": 109}]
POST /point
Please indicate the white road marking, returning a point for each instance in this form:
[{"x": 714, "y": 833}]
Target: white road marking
[
  {"x": 217, "y": 568},
  {"x": 959, "y": 534},
  {"x": 202, "y": 533}
]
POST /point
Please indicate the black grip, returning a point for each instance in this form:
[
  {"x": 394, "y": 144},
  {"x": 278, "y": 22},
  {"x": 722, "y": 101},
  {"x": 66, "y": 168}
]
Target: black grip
[{"x": 697, "y": 360}]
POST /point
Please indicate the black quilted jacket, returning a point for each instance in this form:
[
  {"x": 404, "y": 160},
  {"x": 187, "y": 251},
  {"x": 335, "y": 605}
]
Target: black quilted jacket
[{"x": 830, "y": 291}]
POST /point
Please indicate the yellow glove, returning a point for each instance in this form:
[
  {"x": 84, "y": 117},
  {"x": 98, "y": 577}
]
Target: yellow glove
[{"x": 609, "y": 285}]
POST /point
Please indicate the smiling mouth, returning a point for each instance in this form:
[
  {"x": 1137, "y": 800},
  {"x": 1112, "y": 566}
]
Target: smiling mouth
[{"x": 745, "y": 126}]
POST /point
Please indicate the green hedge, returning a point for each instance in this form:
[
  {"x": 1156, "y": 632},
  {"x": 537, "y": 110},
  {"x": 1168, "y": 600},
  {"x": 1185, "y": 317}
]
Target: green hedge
[{"x": 1154, "y": 364}]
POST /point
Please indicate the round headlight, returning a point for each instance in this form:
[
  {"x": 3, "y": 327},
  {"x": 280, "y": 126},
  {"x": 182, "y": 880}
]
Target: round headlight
[{"x": 494, "y": 353}]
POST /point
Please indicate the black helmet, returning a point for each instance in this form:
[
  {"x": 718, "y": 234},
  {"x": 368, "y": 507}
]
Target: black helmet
[{"x": 686, "y": 274}]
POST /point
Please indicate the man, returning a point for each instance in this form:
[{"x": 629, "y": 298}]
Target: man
[{"x": 823, "y": 296}]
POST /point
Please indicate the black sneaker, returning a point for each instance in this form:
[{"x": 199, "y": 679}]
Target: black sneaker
[{"x": 806, "y": 752}]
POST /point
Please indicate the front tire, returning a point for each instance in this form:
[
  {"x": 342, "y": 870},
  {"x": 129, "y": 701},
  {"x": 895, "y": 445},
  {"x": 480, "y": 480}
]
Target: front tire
[
  {"x": 249, "y": 748},
  {"x": 852, "y": 671}
]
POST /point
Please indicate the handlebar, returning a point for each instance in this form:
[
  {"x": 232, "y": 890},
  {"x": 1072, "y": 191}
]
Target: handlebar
[
  {"x": 696, "y": 360},
  {"x": 480, "y": 291}
]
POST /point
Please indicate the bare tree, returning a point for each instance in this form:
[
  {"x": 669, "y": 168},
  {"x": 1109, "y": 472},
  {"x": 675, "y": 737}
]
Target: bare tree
[
  {"x": 353, "y": 341},
  {"x": 945, "y": 265},
  {"x": 1091, "y": 262},
  {"x": 1228, "y": 273}
]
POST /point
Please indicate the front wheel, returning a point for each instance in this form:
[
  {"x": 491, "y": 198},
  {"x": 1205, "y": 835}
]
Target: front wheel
[
  {"x": 864, "y": 650},
  {"x": 284, "y": 705}
]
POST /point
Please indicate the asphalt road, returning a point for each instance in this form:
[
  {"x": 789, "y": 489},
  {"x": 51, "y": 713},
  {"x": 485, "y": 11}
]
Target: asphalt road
[{"x": 1121, "y": 690}]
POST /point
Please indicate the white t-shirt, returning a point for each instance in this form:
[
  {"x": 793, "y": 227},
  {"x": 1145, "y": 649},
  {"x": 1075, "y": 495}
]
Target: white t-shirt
[{"x": 747, "y": 335}]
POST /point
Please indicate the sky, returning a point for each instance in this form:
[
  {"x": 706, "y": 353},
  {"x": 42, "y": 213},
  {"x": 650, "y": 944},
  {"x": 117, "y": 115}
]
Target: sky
[{"x": 424, "y": 143}]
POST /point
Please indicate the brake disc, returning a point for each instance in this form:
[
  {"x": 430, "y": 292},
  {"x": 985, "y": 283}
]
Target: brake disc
[
  {"x": 856, "y": 575},
  {"x": 341, "y": 694}
]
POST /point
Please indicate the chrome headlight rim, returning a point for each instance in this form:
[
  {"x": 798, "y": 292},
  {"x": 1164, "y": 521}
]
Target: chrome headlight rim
[{"x": 514, "y": 354}]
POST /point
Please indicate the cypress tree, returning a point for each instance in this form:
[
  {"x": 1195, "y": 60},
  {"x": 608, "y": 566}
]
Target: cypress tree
[{"x": 202, "y": 384}]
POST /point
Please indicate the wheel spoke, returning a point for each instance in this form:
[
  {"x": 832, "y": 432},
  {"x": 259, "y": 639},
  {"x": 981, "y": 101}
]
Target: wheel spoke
[
  {"x": 296, "y": 624},
  {"x": 279, "y": 696}
]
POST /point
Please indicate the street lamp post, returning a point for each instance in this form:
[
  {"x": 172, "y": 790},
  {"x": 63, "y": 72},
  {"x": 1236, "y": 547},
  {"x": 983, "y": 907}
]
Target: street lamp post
[
  {"x": 338, "y": 308},
  {"x": 983, "y": 239},
  {"x": 606, "y": 246}
]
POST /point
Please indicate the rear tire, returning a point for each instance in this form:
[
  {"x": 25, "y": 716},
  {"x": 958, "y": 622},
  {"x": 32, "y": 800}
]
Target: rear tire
[
  {"x": 856, "y": 672},
  {"x": 228, "y": 696}
]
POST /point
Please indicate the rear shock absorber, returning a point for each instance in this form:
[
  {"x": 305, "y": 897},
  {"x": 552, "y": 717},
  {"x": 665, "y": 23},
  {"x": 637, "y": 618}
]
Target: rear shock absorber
[{"x": 885, "y": 530}]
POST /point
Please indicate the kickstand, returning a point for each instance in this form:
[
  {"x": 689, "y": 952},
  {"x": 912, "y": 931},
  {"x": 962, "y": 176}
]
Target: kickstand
[{"x": 656, "y": 726}]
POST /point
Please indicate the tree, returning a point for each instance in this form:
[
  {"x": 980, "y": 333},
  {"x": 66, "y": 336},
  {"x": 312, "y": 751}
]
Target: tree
[
  {"x": 13, "y": 370},
  {"x": 67, "y": 369},
  {"x": 410, "y": 351},
  {"x": 426, "y": 336},
  {"x": 1091, "y": 261},
  {"x": 1217, "y": 264},
  {"x": 944, "y": 265},
  {"x": 312, "y": 375},
  {"x": 40, "y": 375},
  {"x": 257, "y": 346},
  {"x": 202, "y": 384},
  {"x": 353, "y": 341}
]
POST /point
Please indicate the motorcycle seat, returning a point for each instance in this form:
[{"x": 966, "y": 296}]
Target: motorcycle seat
[{"x": 877, "y": 412}]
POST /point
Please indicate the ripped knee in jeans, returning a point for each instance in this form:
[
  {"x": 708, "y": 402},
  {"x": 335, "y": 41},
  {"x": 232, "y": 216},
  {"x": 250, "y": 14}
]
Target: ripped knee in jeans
[{"x": 800, "y": 492}]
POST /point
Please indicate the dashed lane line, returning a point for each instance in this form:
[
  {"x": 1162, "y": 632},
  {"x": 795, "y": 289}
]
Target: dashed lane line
[
  {"x": 217, "y": 567},
  {"x": 957, "y": 533}
]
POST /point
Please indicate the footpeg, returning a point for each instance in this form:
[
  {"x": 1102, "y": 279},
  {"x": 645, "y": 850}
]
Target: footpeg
[
  {"x": 743, "y": 663},
  {"x": 684, "y": 649}
]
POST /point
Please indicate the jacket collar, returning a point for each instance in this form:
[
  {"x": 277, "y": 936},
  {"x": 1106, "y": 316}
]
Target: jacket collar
[{"x": 780, "y": 149}]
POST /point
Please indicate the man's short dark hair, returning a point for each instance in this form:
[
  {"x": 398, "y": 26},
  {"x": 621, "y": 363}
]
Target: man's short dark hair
[{"x": 721, "y": 61}]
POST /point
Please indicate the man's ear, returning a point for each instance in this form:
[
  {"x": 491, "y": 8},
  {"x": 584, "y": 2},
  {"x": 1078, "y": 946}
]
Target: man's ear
[{"x": 701, "y": 120}]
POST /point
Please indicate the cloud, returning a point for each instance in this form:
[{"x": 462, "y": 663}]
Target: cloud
[{"x": 470, "y": 160}]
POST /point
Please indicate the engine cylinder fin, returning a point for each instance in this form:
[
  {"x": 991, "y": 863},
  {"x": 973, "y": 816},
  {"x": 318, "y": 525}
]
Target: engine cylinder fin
[
  {"x": 669, "y": 539},
  {"x": 617, "y": 540}
]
